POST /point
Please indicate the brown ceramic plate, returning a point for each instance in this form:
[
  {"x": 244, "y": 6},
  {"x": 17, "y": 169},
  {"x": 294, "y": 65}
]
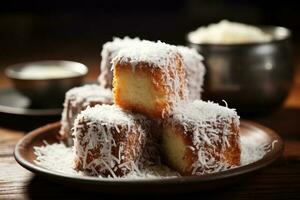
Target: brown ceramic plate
[{"x": 25, "y": 156}]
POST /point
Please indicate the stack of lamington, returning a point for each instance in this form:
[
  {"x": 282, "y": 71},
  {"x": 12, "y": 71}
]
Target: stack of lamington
[{"x": 155, "y": 114}]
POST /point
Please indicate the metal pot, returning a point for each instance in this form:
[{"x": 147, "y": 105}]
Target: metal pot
[{"x": 254, "y": 78}]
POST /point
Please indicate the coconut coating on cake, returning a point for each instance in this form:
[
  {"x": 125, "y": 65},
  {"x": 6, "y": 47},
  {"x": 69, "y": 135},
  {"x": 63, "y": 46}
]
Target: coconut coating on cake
[
  {"x": 201, "y": 137},
  {"x": 109, "y": 51},
  {"x": 78, "y": 99},
  {"x": 194, "y": 71},
  {"x": 111, "y": 142},
  {"x": 149, "y": 78},
  {"x": 192, "y": 61}
]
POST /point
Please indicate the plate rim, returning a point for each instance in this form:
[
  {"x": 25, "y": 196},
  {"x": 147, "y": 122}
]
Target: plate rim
[{"x": 170, "y": 180}]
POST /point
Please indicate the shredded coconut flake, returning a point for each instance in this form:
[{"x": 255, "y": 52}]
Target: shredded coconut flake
[
  {"x": 201, "y": 111},
  {"x": 87, "y": 93},
  {"x": 160, "y": 56},
  {"x": 209, "y": 125},
  {"x": 155, "y": 54},
  {"x": 194, "y": 70},
  {"x": 101, "y": 138},
  {"x": 78, "y": 99},
  {"x": 252, "y": 150},
  {"x": 109, "y": 114},
  {"x": 59, "y": 158}
]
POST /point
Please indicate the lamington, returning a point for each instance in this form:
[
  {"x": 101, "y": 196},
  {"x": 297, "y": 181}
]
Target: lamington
[
  {"x": 76, "y": 100},
  {"x": 111, "y": 142},
  {"x": 201, "y": 137},
  {"x": 194, "y": 70},
  {"x": 192, "y": 60},
  {"x": 109, "y": 51},
  {"x": 149, "y": 78}
]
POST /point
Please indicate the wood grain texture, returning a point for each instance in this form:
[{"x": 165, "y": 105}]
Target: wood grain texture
[
  {"x": 8, "y": 140},
  {"x": 14, "y": 179}
]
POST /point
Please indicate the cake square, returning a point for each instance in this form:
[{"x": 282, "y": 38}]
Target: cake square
[
  {"x": 78, "y": 99},
  {"x": 112, "y": 142},
  {"x": 194, "y": 71},
  {"x": 192, "y": 61},
  {"x": 149, "y": 78},
  {"x": 109, "y": 51},
  {"x": 201, "y": 137}
]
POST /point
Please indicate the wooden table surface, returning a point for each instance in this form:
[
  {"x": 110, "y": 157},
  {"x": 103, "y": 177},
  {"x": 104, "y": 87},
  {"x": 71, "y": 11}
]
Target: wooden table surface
[{"x": 280, "y": 180}]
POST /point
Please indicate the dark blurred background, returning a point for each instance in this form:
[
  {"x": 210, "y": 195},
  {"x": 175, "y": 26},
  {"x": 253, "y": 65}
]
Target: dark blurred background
[{"x": 76, "y": 30}]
